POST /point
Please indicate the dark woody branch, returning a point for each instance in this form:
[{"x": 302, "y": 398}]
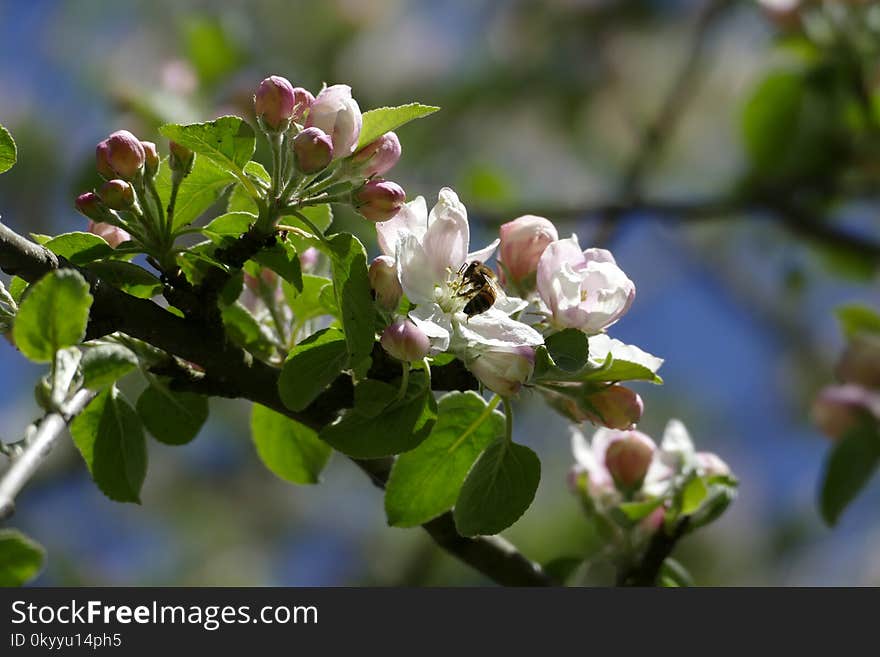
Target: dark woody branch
[{"x": 232, "y": 372}]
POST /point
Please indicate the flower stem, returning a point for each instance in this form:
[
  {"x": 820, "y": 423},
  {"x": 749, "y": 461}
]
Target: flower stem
[
  {"x": 404, "y": 383},
  {"x": 508, "y": 420}
]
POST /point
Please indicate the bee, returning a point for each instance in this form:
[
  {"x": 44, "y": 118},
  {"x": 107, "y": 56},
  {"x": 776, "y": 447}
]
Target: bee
[{"x": 479, "y": 286}]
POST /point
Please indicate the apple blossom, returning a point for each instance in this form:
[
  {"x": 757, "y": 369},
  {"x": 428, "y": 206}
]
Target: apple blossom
[
  {"x": 628, "y": 458},
  {"x": 501, "y": 370},
  {"x": 839, "y": 409},
  {"x": 113, "y": 235},
  {"x": 117, "y": 194},
  {"x": 582, "y": 289},
  {"x": 405, "y": 341},
  {"x": 377, "y": 157},
  {"x": 384, "y": 283},
  {"x": 120, "y": 155},
  {"x": 335, "y": 112},
  {"x": 615, "y": 407},
  {"x": 151, "y": 159},
  {"x": 274, "y": 102},
  {"x": 378, "y": 199},
  {"x": 302, "y": 102},
  {"x": 523, "y": 240},
  {"x": 312, "y": 150},
  {"x": 181, "y": 159},
  {"x": 91, "y": 205}
]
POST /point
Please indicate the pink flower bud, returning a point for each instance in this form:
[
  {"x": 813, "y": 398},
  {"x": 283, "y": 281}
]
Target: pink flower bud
[
  {"x": 151, "y": 159},
  {"x": 181, "y": 159},
  {"x": 117, "y": 194},
  {"x": 91, "y": 205},
  {"x": 628, "y": 458},
  {"x": 839, "y": 409},
  {"x": 384, "y": 282},
  {"x": 860, "y": 362},
  {"x": 523, "y": 240},
  {"x": 377, "y": 157},
  {"x": 274, "y": 102},
  {"x": 405, "y": 341},
  {"x": 302, "y": 102},
  {"x": 379, "y": 200},
  {"x": 615, "y": 407},
  {"x": 337, "y": 114},
  {"x": 113, "y": 235},
  {"x": 121, "y": 155},
  {"x": 502, "y": 370},
  {"x": 312, "y": 150},
  {"x": 308, "y": 259}
]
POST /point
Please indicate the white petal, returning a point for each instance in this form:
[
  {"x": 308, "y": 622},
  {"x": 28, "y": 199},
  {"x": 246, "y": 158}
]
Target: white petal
[
  {"x": 601, "y": 345},
  {"x": 509, "y": 305},
  {"x": 412, "y": 218},
  {"x": 677, "y": 448},
  {"x": 434, "y": 323},
  {"x": 586, "y": 457},
  {"x": 485, "y": 253},
  {"x": 448, "y": 236},
  {"x": 496, "y": 329},
  {"x": 416, "y": 278}
]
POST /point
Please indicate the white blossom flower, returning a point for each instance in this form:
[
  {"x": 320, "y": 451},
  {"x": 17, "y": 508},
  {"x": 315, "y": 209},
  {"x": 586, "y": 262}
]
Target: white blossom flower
[{"x": 430, "y": 249}]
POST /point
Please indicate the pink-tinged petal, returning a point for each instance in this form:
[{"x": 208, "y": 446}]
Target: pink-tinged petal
[
  {"x": 412, "y": 218},
  {"x": 599, "y": 255},
  {"x": 587, "y": 458},
  {"x": 434, "y": 323},
  {"x": 607, "y": 294},
  {"x": 563, "y": 296},
  {"x": 446, "y": 241},
  {"x": 485, "y": 253},
  {"x": 416, "y": 278},
  {"x": 555, "y": 256},
  {"x": 496, "y": 329}
]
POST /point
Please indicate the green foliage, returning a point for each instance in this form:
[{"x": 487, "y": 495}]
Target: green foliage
[
  {"x": 291, "y": 450},
  {"x": 128, "y": 277},
  {"x": 53, "y": 315},
  {"x": 80, "y": 248},
  {"x": 849, "y": 466},
  {"x": 311, "y": 301},
  {"x": 8, "y": 152},
  {"x": 199, "y": 190},
  {"x": 21, "y": 558},
  {"x": 105, "y": 364},
  {"x": 173, "y": 418},
  {"x": 426, "y": 481},
  {"x": 110, "y": 438},
  {"x": 674, "y": 575},
  {"x": 499, "y": 488},
  {"x": 378, "y": 121},
  {"x": 629, "y": 514},
  {"x": 568, "y": 349},
  {"x": 357, "y": 312},
  {"x": 855, "y": 318},
  {"x": 403, "y": 424},
  {"x": 210, "y": 49},
  {"x": 284, "y": 261},
  {"x": 311, "y": 366},
  {"x": 631, "y": 364}
]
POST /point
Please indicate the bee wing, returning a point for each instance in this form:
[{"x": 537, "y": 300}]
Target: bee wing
[{"x": 496, "y": 287}]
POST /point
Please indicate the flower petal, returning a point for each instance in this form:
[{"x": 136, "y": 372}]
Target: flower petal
[
  {"x": 601, "y": 345},
  {"x": 485, "y": 253},
  {"x": 448, "y": 235},
  {"x": 494, "y": 328},
  {"x": 412, "y": 218},
  {"x": 416, "y": 279},
  {"x": 430, "y": 318},
  {"x": 677, "y": 448}
]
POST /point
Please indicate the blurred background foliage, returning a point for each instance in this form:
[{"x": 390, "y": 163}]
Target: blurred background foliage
[{"x": 728, "y": 154}]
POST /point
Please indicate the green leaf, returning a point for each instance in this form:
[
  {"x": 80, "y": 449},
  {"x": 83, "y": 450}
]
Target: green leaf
[
  {"x": 673, "y": 574},
  {"x": 628, "y": 514},
  {"x": 852, "y": 462},
  {"x": 8, "y": 152},
  {"x": 721, "y": 492},
  {"x": 174, "y": 418},
  {"x": 562, "y": 568},
  {"x": 320, "y": 215},
  {"x": 21, "y": 558},
  {"x": 498, "y": 489},
  {"x": 284, "y": 261},
  {"x": 353, "y": 296},
  {"x": 110, "y": 438},
  {"x": 378, "y": 121},
  {"x": 244, "y": 330},
  {"x": 17, "y": 286},
  {"x": 289, "y": 449},
  {"x": 310, "y": 367},
  {"x": 402, "y": 426},
  {"x": 64, "y": 372},
  {"x": 80, "y": 248},
  {"x": 197, "y": 192},
  {"x": 692, "y": 496},
  {"x": 856, "y": 318},
  {"x": 128, "y": 277},
  {"x": 106, "y": 364},
  {"x": 240, "y": 200},
  {"x": 228, "y": 142},
  {"x": 426, "y": 481},
  {"x": 310, "y": 303},
  {"x": 568, "y": 349},
  {"x": 53, "y": 315},
  {"x": 228, "y": 227}
]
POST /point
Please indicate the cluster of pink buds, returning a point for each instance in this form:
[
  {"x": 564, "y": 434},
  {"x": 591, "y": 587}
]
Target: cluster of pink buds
[{"x": 323, "y": 134}]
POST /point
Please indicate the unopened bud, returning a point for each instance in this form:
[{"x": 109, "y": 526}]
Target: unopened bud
[
  {"x": 838, "y": 410},
  {"x": 502, "y": 370},
  {"x": 121, "y": 155},
  {"x": 302, "y": 102},
  {"x": 384, "y": 282},
  {"x": 337, "y": 114},
  {"x": 91, "y": 205},
  {"x": 312, "y": 150},
  {"x": 377, "y": 157},
  {"x": 181, "y": 159},
  {"x": 628, "y": 458},
  {"x": 405, "y": 341},
  {"x": 113, "y": 235},
  {"x": 274, "y": 102},
  {"x": 379, "y": 200},
  {"x": 523, "y": 241},
  {"x": 151, "y": 159},
  {"x": 615, "y": 407},
  {"x": 117, "y": 195}
]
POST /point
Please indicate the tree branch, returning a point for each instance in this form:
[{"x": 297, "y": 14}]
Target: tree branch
[
  {"x": 233, "y": 372},
  {"x": 23, "y": 466},
  {"x": 646, "y": 572}
]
